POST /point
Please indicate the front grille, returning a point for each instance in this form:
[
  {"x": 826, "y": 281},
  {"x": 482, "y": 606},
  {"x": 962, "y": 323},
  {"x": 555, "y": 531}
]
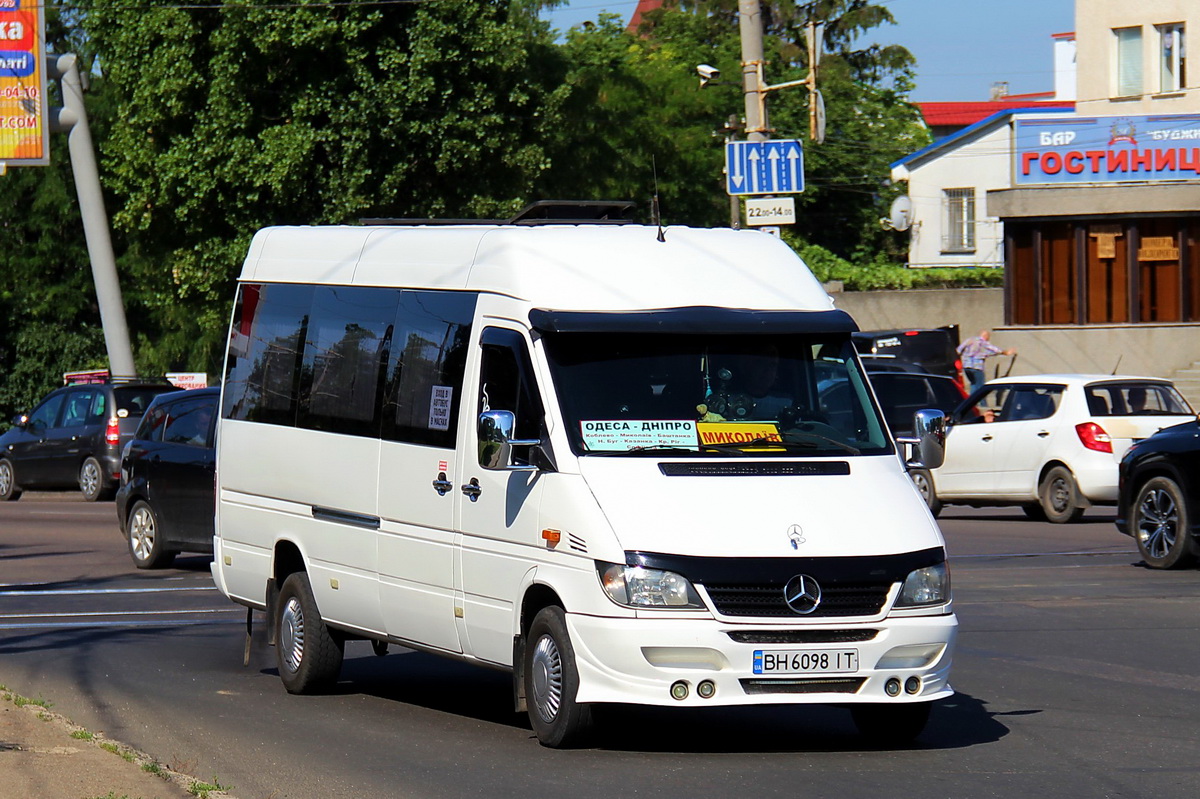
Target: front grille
[
  {"x": 801, "y": 636},
  {"x": 840, "y": 599},
  {"x": 816, "y": 685}
]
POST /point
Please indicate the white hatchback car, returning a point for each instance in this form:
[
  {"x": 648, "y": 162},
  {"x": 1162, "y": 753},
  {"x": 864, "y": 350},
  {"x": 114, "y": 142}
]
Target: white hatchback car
[{"x": 1048, "y": 443}]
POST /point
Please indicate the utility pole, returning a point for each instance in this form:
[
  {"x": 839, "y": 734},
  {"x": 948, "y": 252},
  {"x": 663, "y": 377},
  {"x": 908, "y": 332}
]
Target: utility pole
[
  {"x": 72, "y": 119},
  {"x": 754, "y": 85},
  {"x": 750, "y": 26}
]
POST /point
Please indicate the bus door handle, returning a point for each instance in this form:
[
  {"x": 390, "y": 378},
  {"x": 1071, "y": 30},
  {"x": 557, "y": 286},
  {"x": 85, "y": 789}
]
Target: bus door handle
[
  {"x": 442, "y": 485},
  {"x": 472, "y": 489}
]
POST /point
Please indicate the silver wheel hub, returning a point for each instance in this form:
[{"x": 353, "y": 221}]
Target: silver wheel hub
[
  {"x": 89, "y": 478},
  {"x": 547, "y": 674},
  {"x": 141, "y": 533},
  {"x": 1157, "y": 522},
  {"x": 1060, "y": 497},
  {"x": 922, "y": 485},
  {"x": 6, "y": 477},
  {"x": 291, "y": 634}
]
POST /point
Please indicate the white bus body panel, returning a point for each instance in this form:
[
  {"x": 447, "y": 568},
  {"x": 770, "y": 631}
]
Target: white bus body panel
[{"x": 753, "y": 516}]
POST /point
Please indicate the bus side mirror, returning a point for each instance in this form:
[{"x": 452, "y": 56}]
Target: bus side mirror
[
  {"x": 928, "y": 441},
  {"x": 496, "y": 442}
]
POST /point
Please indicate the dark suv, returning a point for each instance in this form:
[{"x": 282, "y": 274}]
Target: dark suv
[
  {"x": 73, "y": 438},
  {"x": 166, "y": 501}
]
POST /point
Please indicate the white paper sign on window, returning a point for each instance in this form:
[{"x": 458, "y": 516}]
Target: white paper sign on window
[{"x": 439, "y": 407}]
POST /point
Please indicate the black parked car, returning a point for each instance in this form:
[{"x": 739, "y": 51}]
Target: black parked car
[
  {"x": 1159, "y": 499},
  {"x": 166, "y": 501},
  {"x": 74, "y": 438}
]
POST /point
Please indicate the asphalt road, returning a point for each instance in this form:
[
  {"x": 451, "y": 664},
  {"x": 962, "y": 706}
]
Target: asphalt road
[{"x": 1074, "y": 675}]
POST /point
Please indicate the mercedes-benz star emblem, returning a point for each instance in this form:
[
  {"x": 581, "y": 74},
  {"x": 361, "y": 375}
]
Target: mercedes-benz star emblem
[
  {"x": 802, "y": 594},
  {"x": 796, "y": 535}
]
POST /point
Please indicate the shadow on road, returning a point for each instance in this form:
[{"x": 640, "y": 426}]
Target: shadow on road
[{"x": 460, "y": 689}]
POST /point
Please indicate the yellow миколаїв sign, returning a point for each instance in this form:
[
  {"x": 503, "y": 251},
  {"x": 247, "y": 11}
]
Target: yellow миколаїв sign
[{"x": 23, "y": 131}]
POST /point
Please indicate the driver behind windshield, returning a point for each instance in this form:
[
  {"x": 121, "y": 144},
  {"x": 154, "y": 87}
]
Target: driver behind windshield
[{"x": 767, "y": 402}]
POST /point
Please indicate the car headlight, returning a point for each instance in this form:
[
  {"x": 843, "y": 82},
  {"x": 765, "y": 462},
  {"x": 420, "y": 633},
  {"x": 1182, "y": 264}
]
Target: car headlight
[
  {"x": 639, "y": 587},
  {"x": 927, "y": 586}
]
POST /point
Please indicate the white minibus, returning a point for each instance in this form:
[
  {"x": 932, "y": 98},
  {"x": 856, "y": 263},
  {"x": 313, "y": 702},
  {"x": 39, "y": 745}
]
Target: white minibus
[{"x": 627, "y": 464}]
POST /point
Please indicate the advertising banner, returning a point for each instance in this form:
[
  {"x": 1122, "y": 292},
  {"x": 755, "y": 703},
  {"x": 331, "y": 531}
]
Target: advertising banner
[
  {"x": 24, "y": 139},
  {"x": 1066, "y": 150}
]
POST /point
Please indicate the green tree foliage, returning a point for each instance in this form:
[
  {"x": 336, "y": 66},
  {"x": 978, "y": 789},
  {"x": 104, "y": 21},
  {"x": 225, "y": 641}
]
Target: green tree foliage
[
  {"x": 248, "y": 114},
  {"x": 633, "y": 118}
]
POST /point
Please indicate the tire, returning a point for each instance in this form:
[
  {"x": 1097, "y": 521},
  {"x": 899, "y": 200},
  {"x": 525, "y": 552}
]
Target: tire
[
  {"x": 91, "y": 482},
  {"x": 9, "y": 490},
  {"x": 552, "y": 682},
  {"x": 309, "y": 656},
  {"x": 924, "y": 483},
  {"x": 144, "y": 536},
  {"x": 891, "y": 725},
  {"x": 1059, "y": 496},
  {"x": 1034, "y": 511},
  {"x": 1158, "y": 520}
]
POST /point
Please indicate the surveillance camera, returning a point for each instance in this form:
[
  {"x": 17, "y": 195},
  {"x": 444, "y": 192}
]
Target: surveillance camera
[{"x": 707, "y": 73}]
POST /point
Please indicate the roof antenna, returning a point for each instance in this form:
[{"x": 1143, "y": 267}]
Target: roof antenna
[
  {"x": 1118, "y": 363},
  {"x": 655, "y": 216}
]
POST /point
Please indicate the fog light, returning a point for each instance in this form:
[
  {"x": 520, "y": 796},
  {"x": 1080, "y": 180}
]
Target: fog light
[
  {"x": 706, "y": 689},
  {"x": 679, "y": 690},
  {"x": 912, "y": 685},
  {"x": 892, "y": 687}
]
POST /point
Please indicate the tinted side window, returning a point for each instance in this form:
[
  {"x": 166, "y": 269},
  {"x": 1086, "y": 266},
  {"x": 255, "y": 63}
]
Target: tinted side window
[
  {"x": 188, "y": 422},
  {"x": 1033, "y": 403},
  {"x": 134, "y": 400},
  {"x": 946, "y": 395},
  {"x": 989, "y": 407},
  {"x": 151, "y": 426},
  {"x": 262, "y": 371},
  {"x": 426, "y": 365},
  {"x": 1134, "y": 399},
  {"x": 96, "y": 414},
  {"x": 345, "y": 354},
  {"x": 899, "y": 390},
  {"x": 75, "y": 409},
  {"x": 46, "y": 414},
  {"x": 507, "y": 382}
]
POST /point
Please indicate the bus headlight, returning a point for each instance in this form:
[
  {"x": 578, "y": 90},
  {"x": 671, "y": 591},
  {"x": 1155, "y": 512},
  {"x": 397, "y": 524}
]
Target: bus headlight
[
  {"x": 639, "y": 587},
  {"x": 927, "y": 586}
]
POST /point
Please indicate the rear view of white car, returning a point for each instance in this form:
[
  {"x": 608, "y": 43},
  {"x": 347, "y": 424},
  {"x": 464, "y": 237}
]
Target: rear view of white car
[{"x": 1049, "y": 443}]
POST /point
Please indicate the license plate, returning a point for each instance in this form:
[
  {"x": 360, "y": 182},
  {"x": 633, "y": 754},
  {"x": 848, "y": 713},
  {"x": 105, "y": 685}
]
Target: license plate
[{"x": 805, "y": 661}]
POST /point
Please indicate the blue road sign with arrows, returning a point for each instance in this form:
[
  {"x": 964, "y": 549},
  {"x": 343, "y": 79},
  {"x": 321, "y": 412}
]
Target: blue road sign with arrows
[{"x": 764, "y": 167}]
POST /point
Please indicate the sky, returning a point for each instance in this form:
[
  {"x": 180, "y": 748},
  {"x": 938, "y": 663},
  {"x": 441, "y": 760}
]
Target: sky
[{"x": 962, "y": 47}]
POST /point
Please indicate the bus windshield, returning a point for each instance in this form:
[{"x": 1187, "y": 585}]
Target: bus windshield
[{"x": 714, "y": 394}]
